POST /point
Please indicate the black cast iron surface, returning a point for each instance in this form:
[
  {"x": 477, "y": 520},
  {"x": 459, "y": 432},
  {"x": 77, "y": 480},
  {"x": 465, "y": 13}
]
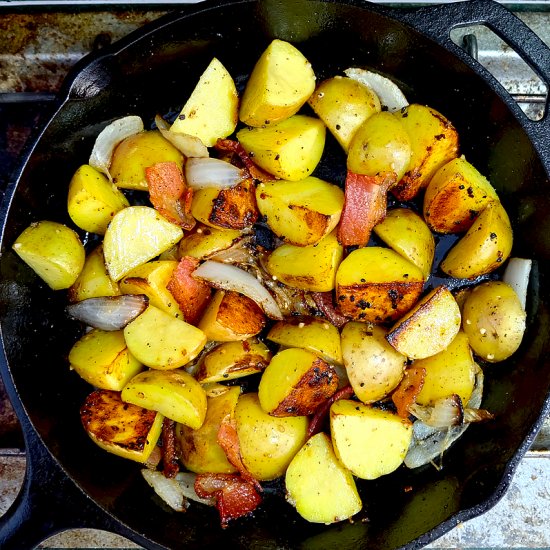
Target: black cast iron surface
[{"x": 154, "y": 70}]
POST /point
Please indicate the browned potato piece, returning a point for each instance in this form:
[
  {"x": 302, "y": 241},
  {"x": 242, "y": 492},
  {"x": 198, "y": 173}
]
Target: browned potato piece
[
  {"x": 377, "y": 285},
  {"x": 434, "y": 142},
  {"x": 231, "y": 316},
  {"x": 295, "y": 383},
  {"x": 484, "y": 248},
  {"x": 429, "y": 327},
  {"x": 233, "y": 208},
  {"x": 205, "y": 241},
  {"x": 455, "y": 196}
]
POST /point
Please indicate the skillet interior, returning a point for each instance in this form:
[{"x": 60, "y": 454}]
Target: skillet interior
[{"x": 155, "y": 74}]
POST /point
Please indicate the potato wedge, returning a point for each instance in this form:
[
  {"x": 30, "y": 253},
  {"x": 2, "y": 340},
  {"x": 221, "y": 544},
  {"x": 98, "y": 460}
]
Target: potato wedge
[
  {"x": 151, "y": 279},
  {"x": 310, "y": 268},
  {"x": 493, "y": 320},
  {"x": 231, "y": 316},
  {"x": 233, "y": 208},
  {"x": 200, "y": 450},
  {"x": 161, "y": 341},
  {"x": 455, "y": 196},
  {"x": 136, "y": 235},
  {"x": 429, "y": 327},
  {"x": 301, "y": 212},
  {"x": 53, "y": 251},
  {"x": 295, "y": 383},
  {"x": 93, "y": 281},
  {"x": 343, "y": 105},
  {"x": 406, "y": 232},
  {"x": 135, "y": 153},
  {"x": 374, "y": 367},
  {"x": 377, "y": 285},
  {"x": 451, "y": 371},
  {"x": 120, "y": 428},
  {"x": 206, "y": 241},
  {"x": 233, "y": 360},
  {"x": 320, "y": 488},
  {"x": 267, "y": 443},
  {"x": 175, "y": 394},
  {"x": 434, "y": 142},
  {"x": 93, "y": 200},
  {"x": 280, "y": 83},
  {"x": 211, "y": 111},
  {"x": 381, "y": 145},
  {"x": 316, "y": 335},
  {"x": 103, "y": 360},
  {"x": 290, "y": 149},
  {"x": 484, "y": 248},
  {"x": 369, "y": 442}
]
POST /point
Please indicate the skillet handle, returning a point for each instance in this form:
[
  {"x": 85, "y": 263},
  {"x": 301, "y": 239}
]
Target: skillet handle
[
  {"x": 437, "y": 23},
  {"x": 49, "y": 502}
]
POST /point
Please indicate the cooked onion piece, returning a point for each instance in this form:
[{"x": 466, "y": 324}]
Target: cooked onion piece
[
  {"x": 202, "y": 173},
  {"x": 109, "y": 138},
  {"x": 517, "y": 276},
  {"x": 109, "y": 312},
  {"x": 190, "y": 146},
  {"x": 169, "y": 490}
]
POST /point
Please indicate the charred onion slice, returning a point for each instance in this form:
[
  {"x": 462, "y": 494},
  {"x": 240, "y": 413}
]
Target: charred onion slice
[
  {"x": 190, "y": 146},
  {"x": 444, "y": 413}
]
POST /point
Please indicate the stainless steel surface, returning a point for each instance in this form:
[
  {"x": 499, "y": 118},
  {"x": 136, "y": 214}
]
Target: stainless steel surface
[{"x": 36, "y": 50}]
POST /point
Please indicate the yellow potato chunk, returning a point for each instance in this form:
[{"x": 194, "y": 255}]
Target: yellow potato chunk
[
  {"x": 310, "y": 268},
  {"x": 53, "y": 251},
  {"x": 295, "y": 383},
  {"x": 451, "y": 371},
  {"x": 161, "y": 341},
  {"x": 136, "y": 235},
  {"x": 151, "y": 279},
  {"x": 103, "y": 360},
  {"x": 232, "y": 360},
  {"x": 300, "y": 212},
  {"x": 267, "y": 443},
  {"x": 210, "y": 113},
  {"x": 175, "y": 394},
  {"x": 206, "y": 241},
  {"x": 484, "y": 248},
  {"x": 374, "y": 367},
  {"x": 320, "y": 488},
  {"x": 429, "y": 327},
  {"x": 377, "y": 285},
  {"x": 290, "y": 149},
  {"x": 316, "y": 335},
  {"x": 406, "y": 232},
  {"x": 120, "y": 428},
  {"x": 280, "y": 83},
  {"x": 343, "y": 105},
  {"x": 200, "y": 450},
  {"x": 135, "y": 153},
  {"x": 455, "y": 196},
  {"x": 494, "y": 320},
  {"x": 93, "y": 281},
  {"x": 370, "y": 442}
]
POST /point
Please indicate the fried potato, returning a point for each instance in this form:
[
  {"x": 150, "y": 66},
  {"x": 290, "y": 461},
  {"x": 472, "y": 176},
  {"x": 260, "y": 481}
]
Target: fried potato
[
  {"x": 455, "y": 196},
  {"x": 295, "y": 383},
  {"x": 301, "y": 212},
  {"x": 429, "y": 327},
  {"x": 205, "y": 241},
  {"x": 377, "y": 285}
]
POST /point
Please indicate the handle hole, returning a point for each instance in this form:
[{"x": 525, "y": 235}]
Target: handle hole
[{"x": 516, "y": 76}]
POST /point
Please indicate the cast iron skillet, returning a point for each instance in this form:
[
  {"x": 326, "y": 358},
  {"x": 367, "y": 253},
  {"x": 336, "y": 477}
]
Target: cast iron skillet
[{"x": 69, "y": 481}]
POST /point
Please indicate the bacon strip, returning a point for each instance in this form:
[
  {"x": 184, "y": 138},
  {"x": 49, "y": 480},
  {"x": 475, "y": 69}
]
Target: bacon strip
[
  {"x": 169, "y": 194},
  {"x": 323, "y": 409},
  {"x": 364, "y": 206},
  {"x": 170, "y": 455},
  {"x": 228, "y": 145},
  {"x": 192, "y": 295},
  {"x": 324, "y": 301},
  {"x": 406, "y": 393}
]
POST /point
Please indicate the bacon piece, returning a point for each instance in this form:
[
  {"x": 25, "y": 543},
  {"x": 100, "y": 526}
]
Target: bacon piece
[
  {"x": 323, "y": 300},
  {"x": 170, "y": 454},
  {"x": 169, "y": 194},
  {"x": 364, "y": 206},
  {"x": 235, "y": 497},
  {"x": 406, "y": 393},
  {"x": 322, "y": 410},
  {"x": 191, "y": 294},
  {"x": 228, "y": 145}
]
